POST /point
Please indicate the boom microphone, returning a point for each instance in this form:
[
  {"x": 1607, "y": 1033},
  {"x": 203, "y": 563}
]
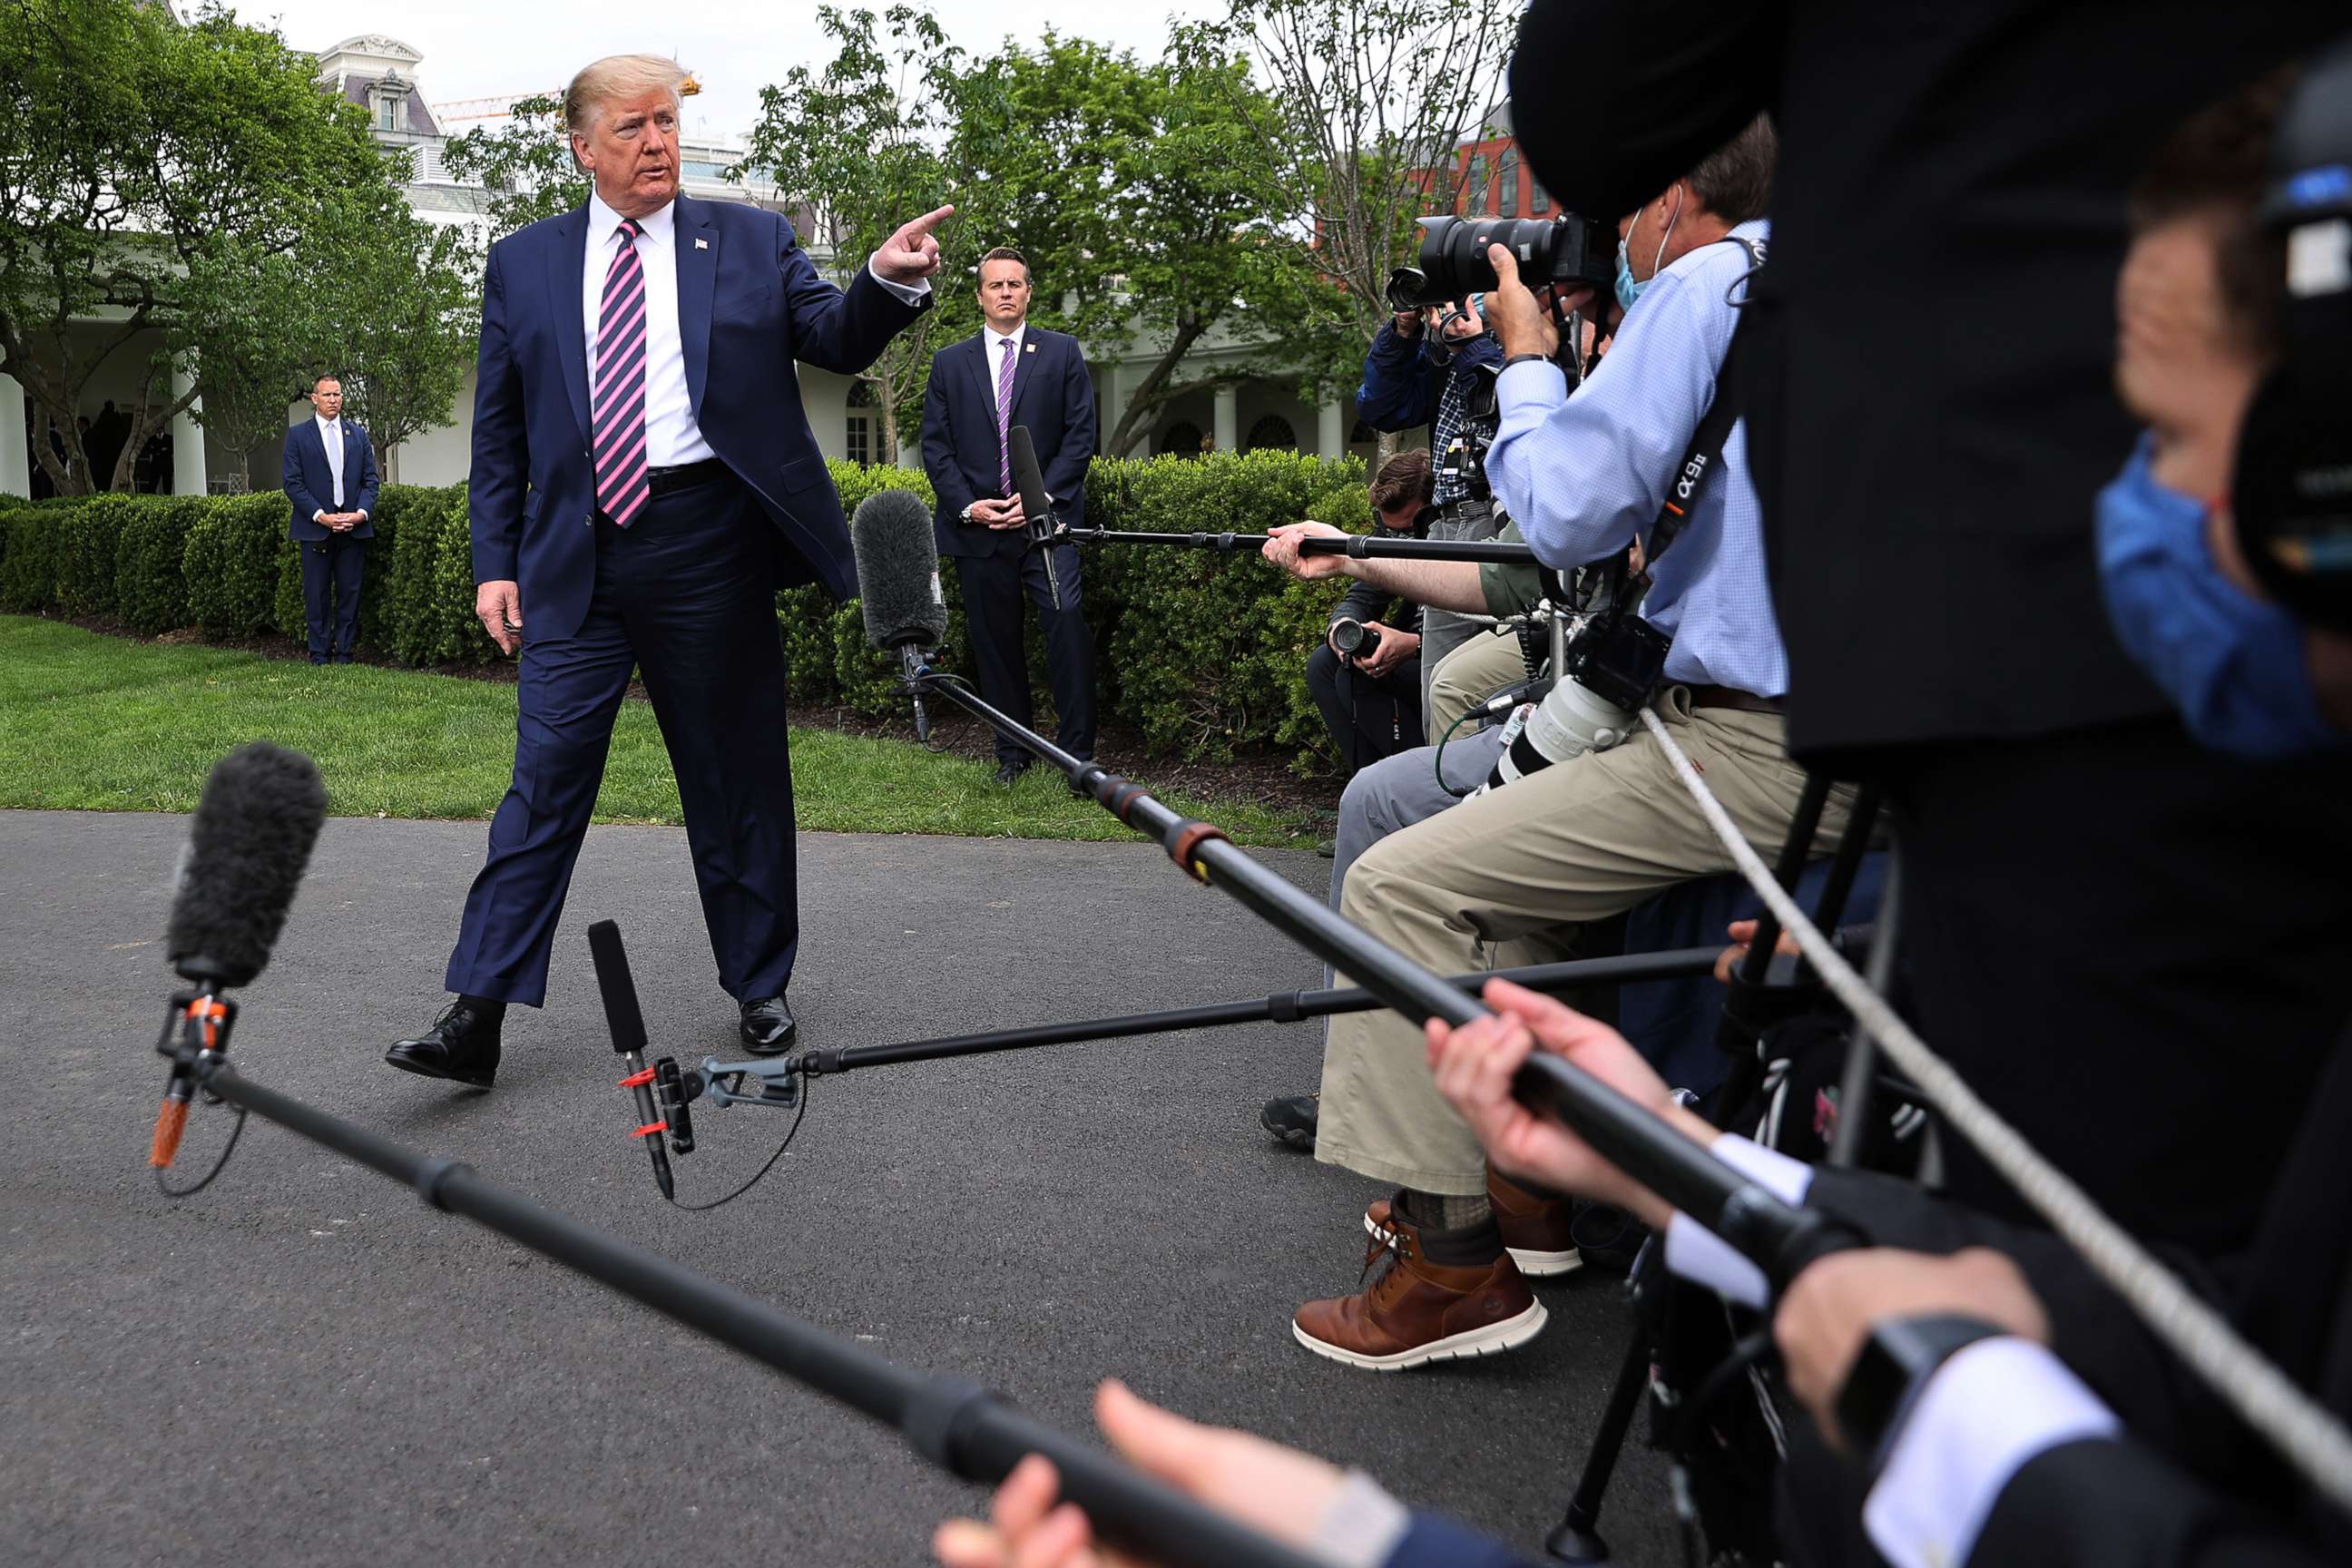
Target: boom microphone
[
  {"x": 898, "y": 581},
  {"x": 627, "y": 1024},
  {"x": 1036, "y": 505},
  {"x": 251, "y": 837}
]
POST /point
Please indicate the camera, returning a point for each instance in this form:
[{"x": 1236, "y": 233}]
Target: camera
[
  {"x": 1353, "y": 639},
  {"x": 1571, "y": 252},
  {"x": 1611, "y": 671}
]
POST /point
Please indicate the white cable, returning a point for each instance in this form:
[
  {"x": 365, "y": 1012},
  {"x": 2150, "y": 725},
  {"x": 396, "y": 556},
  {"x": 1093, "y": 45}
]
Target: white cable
[{"x": 2310, "y": 1438}]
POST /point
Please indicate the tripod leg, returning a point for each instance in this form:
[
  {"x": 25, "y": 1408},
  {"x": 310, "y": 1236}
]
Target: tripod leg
[{"x": 1577, "y": 1538}]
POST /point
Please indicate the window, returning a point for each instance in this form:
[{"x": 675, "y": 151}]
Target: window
[
  {"x": 1507, "y": 183},
  {"x": 384, "y": 107},
  {"x": 1538, "y": 199},
  {"x": 1271, "y": 431},
  {"x": 1476, "y": 186},
  {"x": 1181, "y": 439},
  {"x": 860, "y": 430}
]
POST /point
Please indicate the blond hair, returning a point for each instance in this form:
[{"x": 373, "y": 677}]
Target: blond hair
[{"x": 618, "y": 76}]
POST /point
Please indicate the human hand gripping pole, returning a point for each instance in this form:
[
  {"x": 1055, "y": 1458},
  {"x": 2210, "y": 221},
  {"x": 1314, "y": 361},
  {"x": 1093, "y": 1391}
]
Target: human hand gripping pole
[
  {"x": 252, "y": 837},
  {"x": 1778, "y": 1239}
]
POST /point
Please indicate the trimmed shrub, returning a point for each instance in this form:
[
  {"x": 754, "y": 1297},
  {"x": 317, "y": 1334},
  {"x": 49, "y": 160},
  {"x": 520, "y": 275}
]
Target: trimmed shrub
[
  {"x": 1211, "y": 648},
  {"x": 150, "y": 585},
  {"x": 235, "y": 553},
  {"x": 89, "y": 537},
  {"x": 28, "y": 568}
]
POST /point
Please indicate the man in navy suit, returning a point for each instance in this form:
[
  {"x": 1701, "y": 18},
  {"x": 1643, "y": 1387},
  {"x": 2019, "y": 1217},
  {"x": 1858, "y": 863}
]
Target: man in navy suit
[
  {"x": 644, "y": 479},
  {"x": 330, "y": 479},
  {"x": 1012, "y": 373}
]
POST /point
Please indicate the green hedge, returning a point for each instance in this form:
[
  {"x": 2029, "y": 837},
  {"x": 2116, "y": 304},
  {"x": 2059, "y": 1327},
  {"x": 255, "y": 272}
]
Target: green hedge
[{"x": 1204, "y": 653}]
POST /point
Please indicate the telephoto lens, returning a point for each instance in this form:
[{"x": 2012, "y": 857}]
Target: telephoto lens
[
  {"x": 1572, "y": 252},
  {"x": 1353, "y": 639}
]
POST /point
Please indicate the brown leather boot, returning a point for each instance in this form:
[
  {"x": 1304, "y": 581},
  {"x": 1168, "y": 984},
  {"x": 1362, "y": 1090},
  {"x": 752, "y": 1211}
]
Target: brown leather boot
[
  {"x": 1535, "y": 1230},
  {"x": 1414, "y": 1311}
]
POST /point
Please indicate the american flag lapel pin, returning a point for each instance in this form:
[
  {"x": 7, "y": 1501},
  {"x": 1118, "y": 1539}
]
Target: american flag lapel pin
[{"x": 702, "y": 245}]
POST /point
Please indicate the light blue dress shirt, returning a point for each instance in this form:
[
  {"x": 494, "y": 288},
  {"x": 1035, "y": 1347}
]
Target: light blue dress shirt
[{"x": 1584, "y": 474}]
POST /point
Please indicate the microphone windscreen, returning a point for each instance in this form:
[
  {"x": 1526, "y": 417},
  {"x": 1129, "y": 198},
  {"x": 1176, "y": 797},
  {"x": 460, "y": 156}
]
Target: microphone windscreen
[
  {"x": 1035, "y": 504},
  {"x": 252, "y": 835},
  {"x": 621, "y": 1014},
  {"x": 898, "y": 571}
]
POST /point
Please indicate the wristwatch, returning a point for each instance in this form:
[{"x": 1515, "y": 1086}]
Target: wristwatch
[
  {"x": 1525, "y": 359},
  {"x": 966, "y": 515}
]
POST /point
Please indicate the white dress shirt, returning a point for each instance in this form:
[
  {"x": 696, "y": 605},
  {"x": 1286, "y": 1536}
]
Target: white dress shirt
[
  {"x": 330, "y": 436},
  {"x": 995, "y": 349},
  {"x": 672, "y": 438}
]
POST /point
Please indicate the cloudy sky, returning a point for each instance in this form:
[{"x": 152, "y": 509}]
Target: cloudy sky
[{"x": 508, "y": 48}]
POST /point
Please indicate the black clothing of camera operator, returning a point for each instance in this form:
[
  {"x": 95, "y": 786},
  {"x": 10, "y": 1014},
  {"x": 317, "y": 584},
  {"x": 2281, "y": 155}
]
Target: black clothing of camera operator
[
  {"x": 1367, "y": 677},
  {"x": 1441, "y": 376}
]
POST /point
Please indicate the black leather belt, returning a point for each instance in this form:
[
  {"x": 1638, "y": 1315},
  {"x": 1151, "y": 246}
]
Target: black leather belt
[
  {"x": 1705, "y": 695},
  {"x": 685, "y": 476}
]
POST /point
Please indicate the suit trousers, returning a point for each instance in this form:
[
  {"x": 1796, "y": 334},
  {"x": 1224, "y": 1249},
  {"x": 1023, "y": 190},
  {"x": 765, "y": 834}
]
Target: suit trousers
[
  {"x": 1498, "y": 880},
  {"x": 682, "y": 597},
  {"x": 330, "y": 591},
  {"x": 991, "y": 614}
]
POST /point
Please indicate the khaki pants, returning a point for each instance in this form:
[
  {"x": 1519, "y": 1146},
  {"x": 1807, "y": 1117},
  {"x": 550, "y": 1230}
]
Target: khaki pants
[
  {"x": 1583, "y": 840},
  {"x": 1471, "y": 673}
]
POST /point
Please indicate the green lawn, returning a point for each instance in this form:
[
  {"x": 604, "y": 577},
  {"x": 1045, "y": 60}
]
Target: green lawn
[{"x": 98, "y": 723}]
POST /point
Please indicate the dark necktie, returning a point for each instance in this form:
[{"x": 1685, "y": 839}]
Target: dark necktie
[{"x": 619, "y": 400}]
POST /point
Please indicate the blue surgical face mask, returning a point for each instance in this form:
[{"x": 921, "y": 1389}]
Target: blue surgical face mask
[
  {"x": 1629, "y": 288},
  {"x": 2233, "y": 664}
]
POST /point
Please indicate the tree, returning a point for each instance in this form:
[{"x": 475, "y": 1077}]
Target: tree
[
  {"x": 151, "y": 173},
  {"x": 525, "y": 164},
  {"x": 1137, "y": 193},
  {"x": 404, "y": 319},
  {"x": 857, "y": 147},
  {"x": 1365, "y": 104}
]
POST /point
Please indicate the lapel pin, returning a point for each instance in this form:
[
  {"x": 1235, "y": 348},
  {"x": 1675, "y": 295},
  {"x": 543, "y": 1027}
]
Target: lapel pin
[
  {"x": 702, "y": 245},
  {"x": 1029, "y": 348}
]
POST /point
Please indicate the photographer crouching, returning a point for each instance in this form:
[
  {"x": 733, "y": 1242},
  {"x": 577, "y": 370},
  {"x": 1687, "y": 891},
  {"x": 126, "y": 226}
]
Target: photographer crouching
[{"x": 1367, "y": 675}]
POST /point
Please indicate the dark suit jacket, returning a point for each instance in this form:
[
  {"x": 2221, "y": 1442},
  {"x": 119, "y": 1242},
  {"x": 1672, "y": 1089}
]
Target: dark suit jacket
[
  {"x": 311, "y": 484},
  {"x": 1052, "y": 394},
  {"x": 749, "y": 302},
  {"x": 2191, "y": 1484},
  {"x": 1928, "y": 476}
]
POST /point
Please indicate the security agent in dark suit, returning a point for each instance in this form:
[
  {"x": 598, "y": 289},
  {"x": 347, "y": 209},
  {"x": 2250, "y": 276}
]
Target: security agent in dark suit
[
  {"x": 330, "y": 476},
  {"x": 644, "y": 479},
  {"x": 1009, "y": 373}
]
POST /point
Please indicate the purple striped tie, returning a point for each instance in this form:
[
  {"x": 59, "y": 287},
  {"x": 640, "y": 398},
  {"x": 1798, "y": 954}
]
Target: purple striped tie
[
  {"x": 1005, "y": 420},
  {"x": 619, "y": 400}
]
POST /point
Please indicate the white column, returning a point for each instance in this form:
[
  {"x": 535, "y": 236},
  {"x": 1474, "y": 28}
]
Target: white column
[
  {"x": 1228, "y": 422},
  {"x": 187, "y": 440},
  {"x": 1331, "y": 430},
  {"x": 16, "y": 456}
]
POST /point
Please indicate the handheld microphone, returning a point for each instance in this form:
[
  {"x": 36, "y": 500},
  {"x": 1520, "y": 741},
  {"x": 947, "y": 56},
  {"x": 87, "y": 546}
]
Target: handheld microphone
[
  {"x": 898, "y": 582},
  {"x": 251, "y": 837},
  {"x": 627, "y": 1024},
  {"x": 1036, "y": 506}
]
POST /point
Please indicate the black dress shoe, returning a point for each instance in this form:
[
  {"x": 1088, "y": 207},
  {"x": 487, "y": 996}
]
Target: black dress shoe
[
  {"x": 768, "y": 1026},
  {"x": 342, "y": 658},
  {"x": 317, "y": 658},
  {"x": 462, "y": 1046},
  {"x": 1009, "y": 774}
]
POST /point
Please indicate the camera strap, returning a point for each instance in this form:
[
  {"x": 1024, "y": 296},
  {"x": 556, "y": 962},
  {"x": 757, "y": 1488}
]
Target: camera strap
[{"x": 1706, "y": 453}]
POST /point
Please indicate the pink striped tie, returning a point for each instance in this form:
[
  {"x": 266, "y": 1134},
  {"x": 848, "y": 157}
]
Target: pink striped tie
[
  {"x": 618, "y": 399},
  {"x": 1005, "y": 420}
]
